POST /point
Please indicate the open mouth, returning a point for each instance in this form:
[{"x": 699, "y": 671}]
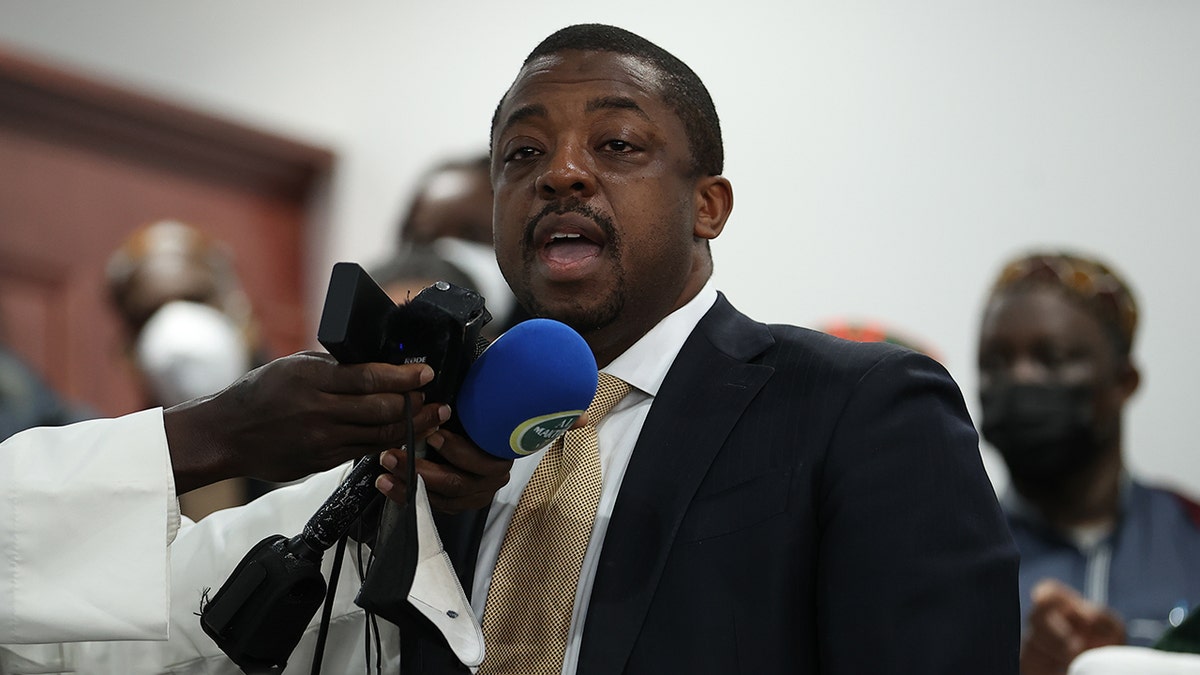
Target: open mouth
[
  {"x": 570, "y": 248},
  {"x": 568, "y": 241}
]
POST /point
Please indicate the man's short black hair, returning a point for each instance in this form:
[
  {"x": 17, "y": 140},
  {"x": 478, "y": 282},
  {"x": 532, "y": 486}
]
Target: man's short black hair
[{"x": 682, "y": 91}]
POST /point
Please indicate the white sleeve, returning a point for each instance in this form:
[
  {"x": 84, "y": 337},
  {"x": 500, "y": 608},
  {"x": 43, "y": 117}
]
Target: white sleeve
[
  {"x": 87, "y": 512},
  {"x": 202, "y": 558}
]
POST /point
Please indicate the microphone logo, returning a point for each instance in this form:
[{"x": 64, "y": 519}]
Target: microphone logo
[{"x": 536, "y": 433}]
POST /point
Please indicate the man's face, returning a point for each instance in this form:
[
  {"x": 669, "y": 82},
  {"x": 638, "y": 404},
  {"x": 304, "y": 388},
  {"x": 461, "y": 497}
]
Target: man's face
[
  {"x": 1038, "y": 336},
  {"x": 595, "y": 197}
]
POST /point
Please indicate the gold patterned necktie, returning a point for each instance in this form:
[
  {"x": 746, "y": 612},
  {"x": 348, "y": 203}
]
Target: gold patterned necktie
[{"x": 532, "y": 596}]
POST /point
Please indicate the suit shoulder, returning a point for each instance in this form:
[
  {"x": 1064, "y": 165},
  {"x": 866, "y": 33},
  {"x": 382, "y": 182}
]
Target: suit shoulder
[
  {"x": 807, "y": 354},
  {"x": 809, "y": 348}
]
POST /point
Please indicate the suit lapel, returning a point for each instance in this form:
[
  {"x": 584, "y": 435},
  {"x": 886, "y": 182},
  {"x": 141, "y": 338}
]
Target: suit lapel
[{"x": 705, "y": 392}]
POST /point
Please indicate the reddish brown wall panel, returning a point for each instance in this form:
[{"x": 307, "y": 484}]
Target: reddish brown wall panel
[{"x": 81, "y": 166}]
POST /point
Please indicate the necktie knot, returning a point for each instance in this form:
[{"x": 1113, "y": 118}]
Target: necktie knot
[{"x": 609, "y": 391}]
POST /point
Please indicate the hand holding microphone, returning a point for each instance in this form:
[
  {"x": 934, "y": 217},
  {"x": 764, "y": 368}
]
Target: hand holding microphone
[
  {"x": 523, "y": 391},
  {"x": 465, "y": 479},
  {"x": 526, "y": 389}
]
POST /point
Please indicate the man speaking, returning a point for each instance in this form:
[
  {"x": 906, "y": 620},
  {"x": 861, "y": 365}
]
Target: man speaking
[{"x": 747, "y": 498}]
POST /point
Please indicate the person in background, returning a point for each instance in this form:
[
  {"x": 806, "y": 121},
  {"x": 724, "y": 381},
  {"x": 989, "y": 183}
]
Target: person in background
[
  {"x": 1105, "y": 558},
  {"x": 26, "y": 400},
  {"x": 450, "y": 218},
  {"x": 417, "y": 266},
  {"x": 453, "y": 199},
  {"x": 870, "y": 330},
  {"x": 188, "y": 327}
]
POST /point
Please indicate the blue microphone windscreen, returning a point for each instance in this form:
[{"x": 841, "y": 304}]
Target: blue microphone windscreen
[{"x": 527, "y": 388}]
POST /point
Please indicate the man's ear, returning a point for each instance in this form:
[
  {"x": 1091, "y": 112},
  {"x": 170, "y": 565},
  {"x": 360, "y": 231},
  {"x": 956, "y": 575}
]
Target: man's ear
[
  {"x": 1128, "y": 379},
  {"x": 714, "y": 202}
]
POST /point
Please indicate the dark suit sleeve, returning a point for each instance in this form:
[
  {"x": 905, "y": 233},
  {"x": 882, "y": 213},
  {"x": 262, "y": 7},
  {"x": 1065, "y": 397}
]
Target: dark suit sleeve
[{"x": 917, "y": 572}]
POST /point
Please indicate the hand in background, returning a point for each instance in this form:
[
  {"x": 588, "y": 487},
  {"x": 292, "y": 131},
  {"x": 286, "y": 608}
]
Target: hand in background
[
  {"x": 294, "y": 416},
  {"x": 1062, "y": 625}
]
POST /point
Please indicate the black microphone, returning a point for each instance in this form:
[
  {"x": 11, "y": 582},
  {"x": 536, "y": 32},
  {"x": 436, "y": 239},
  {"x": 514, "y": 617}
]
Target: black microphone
[
  {"x": 341, "y": 509},
  {"x": 259, "y": 614},
  {"x": 360, "y": 324}
]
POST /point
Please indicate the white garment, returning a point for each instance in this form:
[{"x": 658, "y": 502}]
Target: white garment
[
  {"x": 120, "y": 590},
  {"x": 202, "y": 557},
  {"x": 86, "y": 514},
  {"x": 1124, "y": 660}
]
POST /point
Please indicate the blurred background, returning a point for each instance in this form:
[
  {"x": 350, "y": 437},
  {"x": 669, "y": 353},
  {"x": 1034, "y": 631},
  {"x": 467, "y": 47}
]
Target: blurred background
[{"x": 886, "y": 158}]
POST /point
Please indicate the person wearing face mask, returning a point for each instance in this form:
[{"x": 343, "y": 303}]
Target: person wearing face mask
[
  {"x": 188, "y": 326},
  {"x": 1105, "y": 559},
  {"x": 449, "y": 221}
]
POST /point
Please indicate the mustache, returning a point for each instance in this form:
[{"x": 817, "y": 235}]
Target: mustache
[{"x": 571, "y": 205}]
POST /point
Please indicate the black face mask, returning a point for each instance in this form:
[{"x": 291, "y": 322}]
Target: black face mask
[{"x": 1045, "y": 433}]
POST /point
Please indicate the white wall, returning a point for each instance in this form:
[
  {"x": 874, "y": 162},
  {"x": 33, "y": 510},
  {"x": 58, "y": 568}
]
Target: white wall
[{"x": 886, "y": 156}]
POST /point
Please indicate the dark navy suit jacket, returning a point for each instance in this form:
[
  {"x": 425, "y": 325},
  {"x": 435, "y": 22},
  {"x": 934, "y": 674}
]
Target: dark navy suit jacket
[{"x": 795, "y": 503}]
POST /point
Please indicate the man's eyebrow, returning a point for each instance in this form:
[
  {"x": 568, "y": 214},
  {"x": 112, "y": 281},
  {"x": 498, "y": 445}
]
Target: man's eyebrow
[
  {"x": 523, "y": 113},
  {"x": 615, "y": 103}
]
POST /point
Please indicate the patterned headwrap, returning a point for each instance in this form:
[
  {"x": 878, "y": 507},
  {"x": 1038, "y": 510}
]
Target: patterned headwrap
[{"x": 1093, "y": 284}]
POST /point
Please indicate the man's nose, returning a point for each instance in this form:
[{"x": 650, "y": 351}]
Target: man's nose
[{"x": 567, "y": 172}]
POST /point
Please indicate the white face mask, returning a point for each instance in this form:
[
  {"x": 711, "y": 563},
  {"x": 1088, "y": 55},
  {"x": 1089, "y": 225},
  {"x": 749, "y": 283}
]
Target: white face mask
[
  {"x": 187, "y": 350},
  {"x": 479, "y": 262}
]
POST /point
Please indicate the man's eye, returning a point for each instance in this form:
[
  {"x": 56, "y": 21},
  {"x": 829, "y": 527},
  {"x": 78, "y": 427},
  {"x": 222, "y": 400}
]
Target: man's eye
[
  {"x": 619, "y": 146},
  {"x": 523, "y": 152},
  {"x": 994, "y": 364}
]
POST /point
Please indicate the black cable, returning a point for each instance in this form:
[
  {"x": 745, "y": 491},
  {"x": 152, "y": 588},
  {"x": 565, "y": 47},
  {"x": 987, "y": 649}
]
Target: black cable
[
  {"x": 372, "y": 621},
  {"x": 372, "y": 635},
  {"x": 364, "y": 564},
  {"x": 327, "y": 612},
  {"x": 367, "y": 644},
  {"x": 410, "y": 498}
]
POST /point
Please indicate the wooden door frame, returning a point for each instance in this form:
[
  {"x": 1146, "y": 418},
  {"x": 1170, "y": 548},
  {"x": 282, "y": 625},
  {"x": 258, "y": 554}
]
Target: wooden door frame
[{"x": 54, "y": 105}]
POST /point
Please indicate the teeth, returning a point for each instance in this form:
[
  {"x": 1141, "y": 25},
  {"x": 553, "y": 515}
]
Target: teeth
[{"x": 564, "y": 235}]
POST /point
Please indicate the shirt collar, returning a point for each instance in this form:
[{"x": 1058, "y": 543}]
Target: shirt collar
[{"x": 645, "y": 364}]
